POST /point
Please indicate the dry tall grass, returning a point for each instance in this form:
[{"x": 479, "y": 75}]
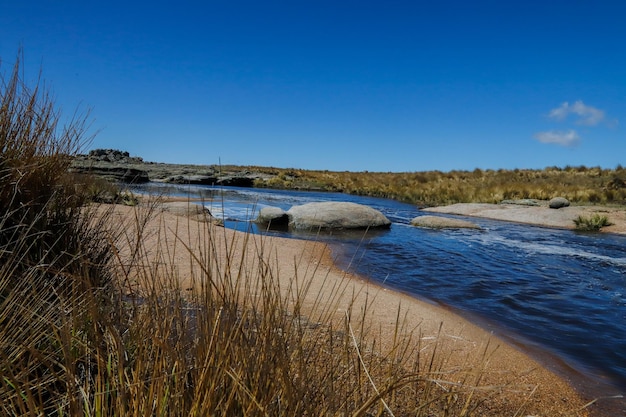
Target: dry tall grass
[
  {"x": 433, "y": 188},
  {"x": 47, "y": 240},
  {"x": 95, "y": 322}
]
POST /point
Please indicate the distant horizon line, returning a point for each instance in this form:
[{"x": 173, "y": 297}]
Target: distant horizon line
[{"x": 566, "y": 167}]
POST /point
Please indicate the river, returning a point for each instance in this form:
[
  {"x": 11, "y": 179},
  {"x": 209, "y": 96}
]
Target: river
[{"x": 558, "y": 293}]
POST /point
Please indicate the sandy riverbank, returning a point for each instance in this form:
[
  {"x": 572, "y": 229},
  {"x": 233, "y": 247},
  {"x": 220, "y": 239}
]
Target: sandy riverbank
[
  {"x": 520, "y": 381},
  {"x": 540, "y": 215}
]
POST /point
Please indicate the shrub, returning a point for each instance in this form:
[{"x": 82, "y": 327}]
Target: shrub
[{"x": 592, "y": 223}]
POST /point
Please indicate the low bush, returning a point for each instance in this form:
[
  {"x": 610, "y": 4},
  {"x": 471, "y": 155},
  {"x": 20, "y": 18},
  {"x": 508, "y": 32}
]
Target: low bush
[{"x": 591, "y": 223}]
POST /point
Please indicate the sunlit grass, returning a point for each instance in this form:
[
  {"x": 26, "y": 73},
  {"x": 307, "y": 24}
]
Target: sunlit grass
[
  {"x": 109, "y": 311},
  {"x": 432, "y": 188}
]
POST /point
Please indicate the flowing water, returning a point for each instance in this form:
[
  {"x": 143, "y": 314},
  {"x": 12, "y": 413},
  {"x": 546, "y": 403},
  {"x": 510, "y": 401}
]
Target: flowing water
[{"x": 554, "y": 291}]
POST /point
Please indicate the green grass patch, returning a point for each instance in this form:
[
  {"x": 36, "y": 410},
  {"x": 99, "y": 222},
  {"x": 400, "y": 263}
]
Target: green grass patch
[{"x": 591, "y": 223}]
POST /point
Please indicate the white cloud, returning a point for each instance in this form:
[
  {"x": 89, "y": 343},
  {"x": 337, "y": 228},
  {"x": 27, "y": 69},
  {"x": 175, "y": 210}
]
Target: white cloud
[
  {"x": 569, "y": 138},
  {"x": 587, "y": 115}
]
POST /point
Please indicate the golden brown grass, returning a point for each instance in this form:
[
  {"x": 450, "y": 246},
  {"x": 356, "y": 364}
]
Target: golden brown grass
[
  {"x": 95, "y": 322},
  {"x": 580, "y": 185},
  {"x": 432, "y": 188}
]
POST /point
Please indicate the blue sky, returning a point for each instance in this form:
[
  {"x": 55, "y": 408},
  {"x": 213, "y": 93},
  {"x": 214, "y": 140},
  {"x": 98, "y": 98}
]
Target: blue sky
[{"x": 337, "y": 85}]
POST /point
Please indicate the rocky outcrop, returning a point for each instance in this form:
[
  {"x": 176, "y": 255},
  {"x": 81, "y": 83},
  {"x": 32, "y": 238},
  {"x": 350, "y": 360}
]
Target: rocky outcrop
[
  {"x": 558, "y": 202},
  {"x": 336, "y": 216},
  {"x": 113, "y": 155},
  {"x": 119, "y": 166},
  {"x": 115, "y": 173},
  {"x": 438, "y": 222},
  {"x": 114, "y": 165}
]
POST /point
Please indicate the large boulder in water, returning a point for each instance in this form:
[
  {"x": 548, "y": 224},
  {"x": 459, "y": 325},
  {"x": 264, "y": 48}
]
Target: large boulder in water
[{"x": 336, "y": 216}]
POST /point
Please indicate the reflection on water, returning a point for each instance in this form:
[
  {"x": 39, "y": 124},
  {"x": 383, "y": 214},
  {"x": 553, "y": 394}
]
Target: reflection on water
[{"x": 560, "y": 290}]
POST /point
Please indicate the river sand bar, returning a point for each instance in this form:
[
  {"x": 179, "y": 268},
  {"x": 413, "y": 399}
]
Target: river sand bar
[
  {"x": 540, "y": 215},
  {"x": 522, "y": 382}
]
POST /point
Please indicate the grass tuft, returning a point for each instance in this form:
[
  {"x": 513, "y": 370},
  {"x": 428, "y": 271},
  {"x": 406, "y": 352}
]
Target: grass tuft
[{"x": 592, "y": 223}]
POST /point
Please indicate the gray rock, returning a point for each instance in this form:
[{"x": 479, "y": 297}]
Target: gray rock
[
  {"x": 273, "y": 218},
  {"x": 336, "y": 215},
  {"x": 558, "y": 202},
  {"x": 438, "y": 222},
  {"x": 112, "y": 155}
]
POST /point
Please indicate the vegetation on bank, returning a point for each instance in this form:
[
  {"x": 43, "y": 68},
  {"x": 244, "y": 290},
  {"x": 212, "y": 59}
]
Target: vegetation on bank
[
  {"x": 591, "y": 223},
  {"x": 579, "y": 185},
  {"x": 94, "y": 322}
]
